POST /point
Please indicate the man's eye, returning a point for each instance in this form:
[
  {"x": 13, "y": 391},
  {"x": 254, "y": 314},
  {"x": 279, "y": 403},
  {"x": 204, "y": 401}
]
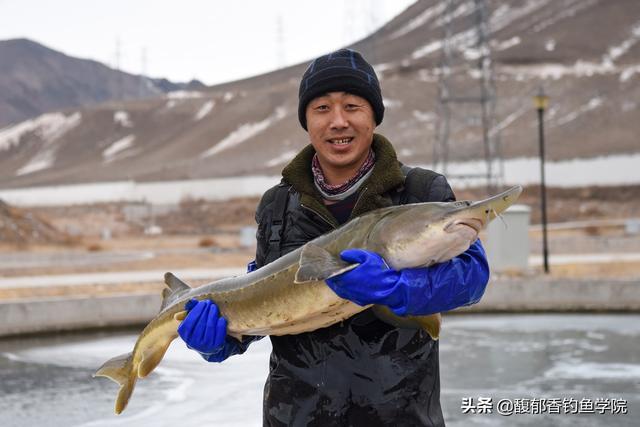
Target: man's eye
[
  {"x": 352, "y": 106},
  {"x": 322, "y": 107}
]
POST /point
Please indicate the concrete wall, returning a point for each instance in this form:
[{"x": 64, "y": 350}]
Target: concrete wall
[
  {"x": 512, "y": 295},
  {"x": 542, "y": 294},
  {"x": 57, "y": 314}
]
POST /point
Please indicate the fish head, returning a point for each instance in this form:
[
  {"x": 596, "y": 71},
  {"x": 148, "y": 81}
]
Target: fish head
[{"x": 424, "y": 234}]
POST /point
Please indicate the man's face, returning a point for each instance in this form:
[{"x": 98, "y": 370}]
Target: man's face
[{"x": 340, "y": 127}]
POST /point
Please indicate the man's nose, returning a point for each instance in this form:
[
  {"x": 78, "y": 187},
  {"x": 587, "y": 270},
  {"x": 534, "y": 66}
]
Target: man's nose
[{"x": 339, "y": 119}]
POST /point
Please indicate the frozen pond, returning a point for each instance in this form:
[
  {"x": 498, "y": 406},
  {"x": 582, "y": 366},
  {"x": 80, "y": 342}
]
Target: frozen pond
[{"x": 591, "y": 357}]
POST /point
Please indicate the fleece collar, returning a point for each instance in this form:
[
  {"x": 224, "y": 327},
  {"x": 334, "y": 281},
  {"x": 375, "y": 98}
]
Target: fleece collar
[{"x": 385, "y": 177}]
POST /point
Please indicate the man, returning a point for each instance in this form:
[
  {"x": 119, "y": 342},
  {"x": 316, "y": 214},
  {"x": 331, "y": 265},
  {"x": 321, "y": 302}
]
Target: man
[{"x": 361, "y": 371}]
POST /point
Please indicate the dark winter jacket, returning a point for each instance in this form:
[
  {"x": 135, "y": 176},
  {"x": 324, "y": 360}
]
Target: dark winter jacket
[{"x": 362, "y": 371}]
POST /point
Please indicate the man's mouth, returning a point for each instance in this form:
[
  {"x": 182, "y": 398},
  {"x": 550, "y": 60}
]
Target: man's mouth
[{"x": 340, "y": 141}]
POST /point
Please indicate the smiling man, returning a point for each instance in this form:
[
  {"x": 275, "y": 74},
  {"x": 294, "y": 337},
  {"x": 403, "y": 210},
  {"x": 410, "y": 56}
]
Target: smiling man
[{"x": 363, "y": 371}]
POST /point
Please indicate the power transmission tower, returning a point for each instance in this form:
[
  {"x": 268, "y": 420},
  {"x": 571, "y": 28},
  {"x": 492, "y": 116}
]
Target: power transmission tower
[
  {"x": 280, "y": 44},
  {"x": 466, "y": 104}
]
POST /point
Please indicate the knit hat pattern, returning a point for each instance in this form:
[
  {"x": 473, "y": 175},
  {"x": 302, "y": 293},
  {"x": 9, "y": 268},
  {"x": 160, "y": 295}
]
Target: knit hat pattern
[{"x": 344, "y": 70}]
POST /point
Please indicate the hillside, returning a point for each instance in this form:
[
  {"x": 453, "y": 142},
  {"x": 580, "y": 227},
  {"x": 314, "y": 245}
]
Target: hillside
[
  {"x": 35, "y": 79},
  {"x": 586, "y": 53}
]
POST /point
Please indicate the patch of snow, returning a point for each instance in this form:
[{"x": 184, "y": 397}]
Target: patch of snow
[
  {"x": 420, "y": 20},
  {"x": 615, "y": 52},
  {"x": 245, "y": 132},
  {"x": 110, "y": 153},
  {"x": 463, "y": 9},
  {"x": 405, "y": 152},
  {"x": 427, "y": 49},
  {"x": 567, "y": 12},
  {"x": 550, "y": 45},
  {"x": 228, "y": 96},
  {"x": 392, "y": 103},
  {"x": 204, "y": 110},
  {"x": 170, "y": 104},
  {"x": 43, "y": 160},
  {"x": 591, "y": 105},
  {"x": 557, "y": 71},
  {"x": 506, "y": 44},
  {"x": 122, "y": 118},
  {"x": 423, "y": 116},
  {"x": 509, "y": 13},
  {"x": 281, "y": 159},
  {"x": 628, "y": 72},
  {"x": 184, "y": 94},
  {"x": 381, "y": 68},
  {"x": 48, "y": 127}
]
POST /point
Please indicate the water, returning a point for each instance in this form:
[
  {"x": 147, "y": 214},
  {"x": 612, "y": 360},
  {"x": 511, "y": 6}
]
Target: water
[{"x": 47, "y": 380}]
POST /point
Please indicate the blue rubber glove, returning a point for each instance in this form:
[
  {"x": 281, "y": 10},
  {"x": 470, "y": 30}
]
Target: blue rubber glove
[
  {"x": 204, "y": 330},
  {"x": 414, "y": 291}
]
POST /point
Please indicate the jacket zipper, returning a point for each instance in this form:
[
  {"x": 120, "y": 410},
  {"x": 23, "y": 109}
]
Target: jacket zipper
[
  {"x": 320, "y": 215},
  {"x": 355, "y": 205}
]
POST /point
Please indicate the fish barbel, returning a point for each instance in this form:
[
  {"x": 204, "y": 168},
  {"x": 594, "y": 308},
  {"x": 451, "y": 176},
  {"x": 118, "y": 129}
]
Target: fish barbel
[{"x": 289, "y": 296}]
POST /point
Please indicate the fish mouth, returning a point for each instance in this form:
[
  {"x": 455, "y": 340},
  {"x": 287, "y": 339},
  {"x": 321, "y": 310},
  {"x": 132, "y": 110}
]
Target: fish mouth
[{"x": 476, "y": 224}]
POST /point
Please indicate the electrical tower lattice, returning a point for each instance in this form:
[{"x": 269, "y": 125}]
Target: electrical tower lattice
[{"x": 466, "y": 104}]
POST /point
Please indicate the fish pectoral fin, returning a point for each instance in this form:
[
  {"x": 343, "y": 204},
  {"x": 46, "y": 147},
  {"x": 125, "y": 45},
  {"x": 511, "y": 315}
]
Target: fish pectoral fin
[
  {"x": 317, "y": 263},
  {"x": 430, "y": 323},
  {"x": 180, "y": 316}
]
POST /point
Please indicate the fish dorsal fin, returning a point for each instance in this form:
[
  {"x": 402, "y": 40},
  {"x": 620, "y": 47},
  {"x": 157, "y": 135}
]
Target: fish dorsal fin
[
  {"x": 175, "y": 287},
  {"x": 317, "y": 263}
]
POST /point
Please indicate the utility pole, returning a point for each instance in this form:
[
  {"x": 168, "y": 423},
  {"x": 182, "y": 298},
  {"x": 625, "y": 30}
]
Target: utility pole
[{"x": 541, "y": 101}]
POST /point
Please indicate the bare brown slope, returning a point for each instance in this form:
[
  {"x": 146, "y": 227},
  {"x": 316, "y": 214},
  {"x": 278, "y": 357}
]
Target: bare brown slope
[{"x": 583, "y": 51}]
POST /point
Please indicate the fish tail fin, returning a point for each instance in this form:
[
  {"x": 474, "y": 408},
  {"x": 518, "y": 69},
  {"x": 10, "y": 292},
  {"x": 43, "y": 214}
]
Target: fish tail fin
[
  {"x": 120, "y": 369},
  {"x": 317, "y": 263},
  {"x": 175, "y": 288}
]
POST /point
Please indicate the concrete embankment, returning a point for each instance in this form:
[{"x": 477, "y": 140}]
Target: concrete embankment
[{"x": 534, "y": 294}]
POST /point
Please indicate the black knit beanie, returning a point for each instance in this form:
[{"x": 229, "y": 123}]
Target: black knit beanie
[{"x": 342, "y": 71}]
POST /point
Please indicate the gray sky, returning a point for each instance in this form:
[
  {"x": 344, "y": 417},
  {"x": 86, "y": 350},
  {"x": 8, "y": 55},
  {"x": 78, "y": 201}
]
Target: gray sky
[{"x": 213, "y": 41}]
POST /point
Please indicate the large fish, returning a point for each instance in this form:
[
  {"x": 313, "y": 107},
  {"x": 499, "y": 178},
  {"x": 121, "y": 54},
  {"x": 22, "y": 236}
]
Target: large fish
[{"x": 289, "y": 296}]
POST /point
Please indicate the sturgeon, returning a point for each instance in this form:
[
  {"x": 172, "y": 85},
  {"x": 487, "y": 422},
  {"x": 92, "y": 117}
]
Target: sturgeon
[{"x": 289, "y": 296}]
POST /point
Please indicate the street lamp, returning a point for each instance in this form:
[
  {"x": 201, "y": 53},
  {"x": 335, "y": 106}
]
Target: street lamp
[{"x": 541, "y": 101}]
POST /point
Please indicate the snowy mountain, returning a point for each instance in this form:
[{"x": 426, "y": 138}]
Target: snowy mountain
[
  {"x": 35, "y": 79},
  {"x": 586, "y": 54}
]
